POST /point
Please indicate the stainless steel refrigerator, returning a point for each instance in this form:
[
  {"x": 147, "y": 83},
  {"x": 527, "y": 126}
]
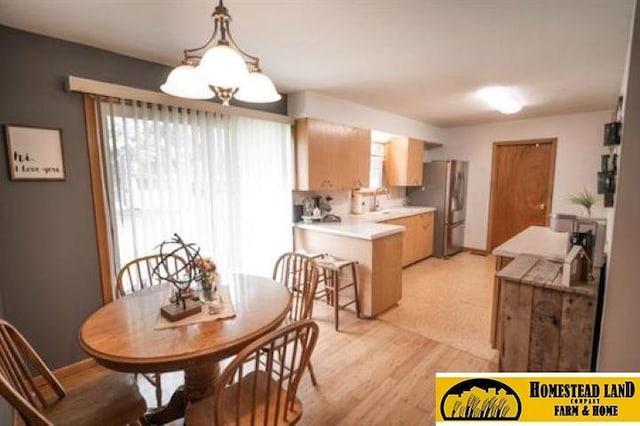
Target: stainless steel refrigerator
[{"x": 445, "y": 188}]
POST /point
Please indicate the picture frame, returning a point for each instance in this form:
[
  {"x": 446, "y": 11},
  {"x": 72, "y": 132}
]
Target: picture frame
[{"x": 34, "y": 153}]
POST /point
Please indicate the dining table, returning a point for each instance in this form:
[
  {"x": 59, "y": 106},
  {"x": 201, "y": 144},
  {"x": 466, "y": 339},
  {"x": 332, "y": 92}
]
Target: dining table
[{"x": 123, "y": 336}]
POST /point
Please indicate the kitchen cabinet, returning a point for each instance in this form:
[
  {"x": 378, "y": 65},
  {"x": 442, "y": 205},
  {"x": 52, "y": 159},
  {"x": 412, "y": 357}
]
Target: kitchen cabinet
[
  {"x": 417, "y": 240},
  {"x": 404, "y": 158},
  {"x": 330, "y": 155},
  {"x": 379, "y": 264}
]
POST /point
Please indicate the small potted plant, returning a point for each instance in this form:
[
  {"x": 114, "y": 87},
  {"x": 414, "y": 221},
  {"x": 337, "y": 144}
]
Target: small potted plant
[{"x": 586, "y": 199}]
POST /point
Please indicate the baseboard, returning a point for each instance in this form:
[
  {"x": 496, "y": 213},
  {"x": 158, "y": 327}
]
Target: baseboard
[{"x": 478, "y": 252}]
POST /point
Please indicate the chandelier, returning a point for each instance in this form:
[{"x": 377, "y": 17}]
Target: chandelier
[{"x": 230, "y": 71}]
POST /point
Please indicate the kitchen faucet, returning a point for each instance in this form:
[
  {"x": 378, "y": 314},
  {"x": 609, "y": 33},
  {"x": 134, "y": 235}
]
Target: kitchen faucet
[{"x": 375, "y": 205}]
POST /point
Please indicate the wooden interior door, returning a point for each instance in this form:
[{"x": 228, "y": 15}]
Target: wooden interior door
[{"x": 521, "y": 187}]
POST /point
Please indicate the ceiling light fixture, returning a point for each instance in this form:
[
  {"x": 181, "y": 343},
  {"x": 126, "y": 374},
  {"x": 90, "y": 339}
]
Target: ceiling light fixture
[
  {"x": 501, "y": 99},
  {"x": 229, "y": 70}
]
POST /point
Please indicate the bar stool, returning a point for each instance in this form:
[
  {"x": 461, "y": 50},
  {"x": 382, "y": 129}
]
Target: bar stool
[
  {"x": 333, "y": 269},
  {"x": 322, "y": 292}
]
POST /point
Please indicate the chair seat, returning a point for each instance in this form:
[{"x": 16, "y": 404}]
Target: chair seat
[
  {"x": 112, "y": 399},
  {"x": 334, "y": 265},
  {"x": 202, "y": 412}
]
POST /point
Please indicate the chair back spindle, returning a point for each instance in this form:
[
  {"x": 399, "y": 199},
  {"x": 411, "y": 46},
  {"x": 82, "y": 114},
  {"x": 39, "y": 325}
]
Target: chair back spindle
[
  {"x": 18, "y": 364},
  {"x": 265, "y": 391},
  {"x": 138, "y": 274},
  {"x": 299, "y": 274}
]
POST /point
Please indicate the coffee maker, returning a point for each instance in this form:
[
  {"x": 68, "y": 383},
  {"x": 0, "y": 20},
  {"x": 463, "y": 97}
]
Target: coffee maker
[
  {"x": 592, "y": 234},
  {"x": 588, "y": 233}
]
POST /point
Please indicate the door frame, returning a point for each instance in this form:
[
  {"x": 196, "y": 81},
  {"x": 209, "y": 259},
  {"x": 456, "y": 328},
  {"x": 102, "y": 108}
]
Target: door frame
[{"x": 494, "y": 173}]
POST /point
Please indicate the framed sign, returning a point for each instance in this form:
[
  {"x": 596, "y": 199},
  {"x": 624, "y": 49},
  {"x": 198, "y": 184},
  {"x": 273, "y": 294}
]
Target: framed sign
[{"x": 34, "y": 153}]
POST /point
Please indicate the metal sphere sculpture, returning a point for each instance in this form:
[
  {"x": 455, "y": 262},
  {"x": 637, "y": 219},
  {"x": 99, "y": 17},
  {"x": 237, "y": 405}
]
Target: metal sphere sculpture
[{"x": 180, "y": 276}]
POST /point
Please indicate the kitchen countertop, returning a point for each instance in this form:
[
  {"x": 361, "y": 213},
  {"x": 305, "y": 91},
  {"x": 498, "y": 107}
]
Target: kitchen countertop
[
  {"x": 536, "y": 241},
  {"x": 365, "y": 226}
]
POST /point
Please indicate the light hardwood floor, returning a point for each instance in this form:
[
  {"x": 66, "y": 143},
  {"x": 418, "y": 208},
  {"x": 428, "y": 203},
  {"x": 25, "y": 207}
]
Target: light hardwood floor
[{"x": 382, "y": 371}]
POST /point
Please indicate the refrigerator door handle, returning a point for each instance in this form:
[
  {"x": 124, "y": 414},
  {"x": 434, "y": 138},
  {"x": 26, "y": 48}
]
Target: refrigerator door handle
[
  {"x": 447, "y": 193},
  {"x": 460, "y": 191}
]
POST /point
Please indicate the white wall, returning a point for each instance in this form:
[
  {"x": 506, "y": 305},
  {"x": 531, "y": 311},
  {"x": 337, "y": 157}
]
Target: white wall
[
  {"x": 620, "y": 340},
  {"x": 577, "y": 160},
  {"x": 315, "y": 105}
]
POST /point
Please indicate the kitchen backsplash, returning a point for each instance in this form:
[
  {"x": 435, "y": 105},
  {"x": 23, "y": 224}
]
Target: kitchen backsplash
[{"x": 341, "y": 204}]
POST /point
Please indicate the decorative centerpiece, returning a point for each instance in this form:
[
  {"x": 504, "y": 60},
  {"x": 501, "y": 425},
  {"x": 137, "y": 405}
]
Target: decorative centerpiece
[
  {"x": 208, "y": 278},
  {"x": 180, "y": 278}
]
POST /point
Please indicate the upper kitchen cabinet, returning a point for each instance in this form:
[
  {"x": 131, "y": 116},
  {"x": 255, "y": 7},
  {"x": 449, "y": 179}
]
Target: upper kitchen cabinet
[
  {"x": 330, "y": 155},
  {"x": 404, "y": 161}
]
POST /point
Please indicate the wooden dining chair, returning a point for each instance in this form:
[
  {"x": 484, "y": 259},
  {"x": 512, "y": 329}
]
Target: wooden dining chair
[
  {"x": 299, "y": 273},
  {"x": 138, "y": 275},
  {"x": 111, "y": 399},
  {"x": 254, "y": 391}
]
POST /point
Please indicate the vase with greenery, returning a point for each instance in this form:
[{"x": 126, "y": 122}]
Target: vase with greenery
[{"x": 585, "y": 198}]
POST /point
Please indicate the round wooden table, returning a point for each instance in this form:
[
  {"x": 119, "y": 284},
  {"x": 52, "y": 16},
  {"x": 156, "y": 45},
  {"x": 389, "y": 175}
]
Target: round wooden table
[{"x": 122, "y": 336}]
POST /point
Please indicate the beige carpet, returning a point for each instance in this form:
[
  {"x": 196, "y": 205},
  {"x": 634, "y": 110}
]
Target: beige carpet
[{"x": 449, "y": 301}]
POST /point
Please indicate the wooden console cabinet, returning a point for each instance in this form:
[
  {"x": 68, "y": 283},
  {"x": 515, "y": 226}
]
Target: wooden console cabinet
[{"x": 545, "y": 326}]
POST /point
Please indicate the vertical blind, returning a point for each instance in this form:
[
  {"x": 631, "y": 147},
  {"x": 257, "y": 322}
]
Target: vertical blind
[{"x": 223, "y": 182}]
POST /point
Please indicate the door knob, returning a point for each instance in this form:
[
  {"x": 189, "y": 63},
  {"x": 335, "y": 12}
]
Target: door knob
[{"x": 542, "y": 206}]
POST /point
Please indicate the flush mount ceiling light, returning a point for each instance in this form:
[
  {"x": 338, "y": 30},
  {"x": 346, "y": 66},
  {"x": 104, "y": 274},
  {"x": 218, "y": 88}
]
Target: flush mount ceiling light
[
  {"x": 501, "y": 99},
  {"x": 229, "y": 70}
]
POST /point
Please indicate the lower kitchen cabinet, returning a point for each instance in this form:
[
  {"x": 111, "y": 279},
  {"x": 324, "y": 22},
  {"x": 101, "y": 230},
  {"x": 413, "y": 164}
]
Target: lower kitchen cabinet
[
  {"x": 417, "y": 241},
  {"x": 379, "y": 264}
]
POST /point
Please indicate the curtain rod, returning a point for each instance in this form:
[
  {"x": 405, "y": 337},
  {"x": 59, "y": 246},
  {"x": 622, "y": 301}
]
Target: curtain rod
[{"x": 94, "y": 87}]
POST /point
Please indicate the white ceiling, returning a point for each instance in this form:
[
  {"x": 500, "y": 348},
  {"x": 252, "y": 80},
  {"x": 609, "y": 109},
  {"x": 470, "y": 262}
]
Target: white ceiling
[{"x": 423, "y": 59}]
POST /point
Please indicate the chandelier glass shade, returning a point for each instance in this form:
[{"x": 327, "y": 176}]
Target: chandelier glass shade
[
  {"x": 184, "y": 82},
  {"x": 222, "y": 66},
  {"x": 225, "y": 67},
  {"x": 257, "y": 88}
]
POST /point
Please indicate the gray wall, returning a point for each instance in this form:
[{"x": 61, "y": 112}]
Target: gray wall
[{"x": 48, "y": 255}]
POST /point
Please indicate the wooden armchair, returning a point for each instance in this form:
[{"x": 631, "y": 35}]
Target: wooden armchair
[
  {"x": 251, "y": 391},
  {"x": 138, "y": 275},
  {"x": 112, "y": 399},
  {"x": 299, "y": 273}
]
